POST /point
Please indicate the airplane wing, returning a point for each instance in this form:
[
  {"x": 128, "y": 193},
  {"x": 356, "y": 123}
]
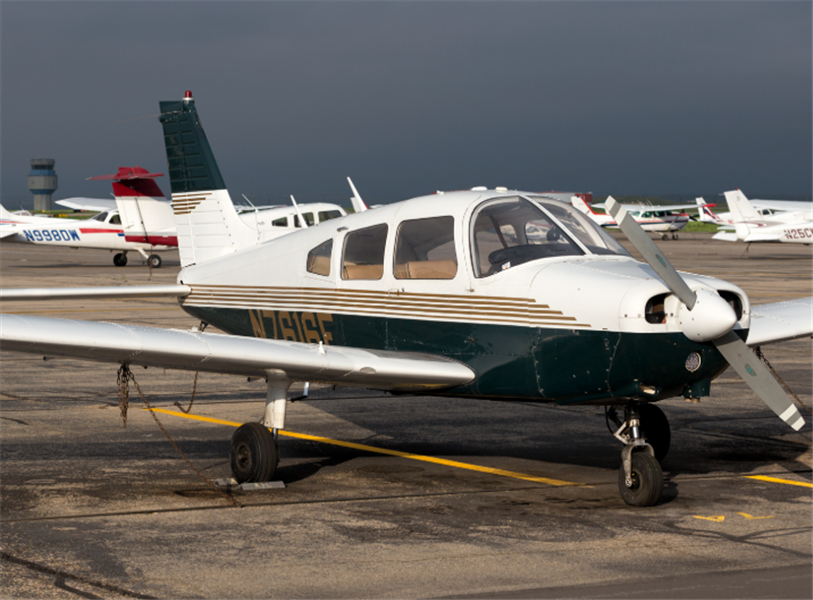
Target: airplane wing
[
  {"x": 781, "y": 321},
  {"x": 99, "y": 204},
  {"x": 113, "y": 291},
  {"x": 218, "y": 353},
  {"x": 7, "y": 230}
]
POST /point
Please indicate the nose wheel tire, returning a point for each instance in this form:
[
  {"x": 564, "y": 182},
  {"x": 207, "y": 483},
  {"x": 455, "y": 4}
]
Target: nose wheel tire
[
  {"x": 646, "y": 481},
  {"x": 120, "y": 259},
  {"x": 254, "y": 455},
  {"x": 155, "y": 261}
]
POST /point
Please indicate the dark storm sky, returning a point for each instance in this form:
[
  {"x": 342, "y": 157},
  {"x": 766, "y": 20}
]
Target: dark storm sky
[{"x": 411, "y": 97}]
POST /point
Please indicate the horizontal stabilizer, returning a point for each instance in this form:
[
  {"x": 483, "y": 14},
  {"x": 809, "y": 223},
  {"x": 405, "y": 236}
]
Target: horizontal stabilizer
[{"x": 218, "y": 353}]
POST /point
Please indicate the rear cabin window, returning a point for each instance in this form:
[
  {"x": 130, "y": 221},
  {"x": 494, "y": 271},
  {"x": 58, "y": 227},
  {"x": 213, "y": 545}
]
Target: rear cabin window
[
  {"x": 281, "y": 222},
  {"x": 364, "y": 253},
  {"x": 424, "y": 249},
  {"x": 319, "y": 258}
]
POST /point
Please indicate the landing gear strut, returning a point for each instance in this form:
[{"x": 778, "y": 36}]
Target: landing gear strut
[{"x": 640, "y": 479}]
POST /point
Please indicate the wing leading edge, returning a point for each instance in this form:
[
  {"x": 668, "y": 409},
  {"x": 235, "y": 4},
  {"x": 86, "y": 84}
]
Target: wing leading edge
[
  {"x": 781, "y": 321},
  {"x": 218, "y": 353}
]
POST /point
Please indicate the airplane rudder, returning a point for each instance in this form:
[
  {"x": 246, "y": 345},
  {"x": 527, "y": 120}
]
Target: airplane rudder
[{"x": 190, "y": 160}]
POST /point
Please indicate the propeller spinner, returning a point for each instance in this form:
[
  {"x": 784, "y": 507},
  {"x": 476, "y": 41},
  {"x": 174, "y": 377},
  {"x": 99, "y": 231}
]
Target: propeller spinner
[{"x": 706, "y": 316}]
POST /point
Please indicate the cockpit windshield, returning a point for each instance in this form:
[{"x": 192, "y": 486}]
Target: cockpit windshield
[
  {"x": 513, "y": 230},
  {"x": 100, "y": 217},
  {"x": 593, "y": 237},
  {"x": 510, "y": 231}
]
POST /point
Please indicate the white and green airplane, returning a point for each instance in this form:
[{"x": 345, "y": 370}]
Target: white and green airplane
[{"x": 493, "y": 294}]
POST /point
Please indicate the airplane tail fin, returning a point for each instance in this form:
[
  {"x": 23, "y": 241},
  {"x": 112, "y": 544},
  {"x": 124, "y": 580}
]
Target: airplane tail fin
[
  {"x": 358, "y": 204},
  {"x": 705, "y": 213},
  {"x": 146, "y": 215},
  {"x": 582, "y": 206},
  {"x": 742, "y": 212},
  {"x": 207, "y": 222},
  {"x": 4, "y": 214}
]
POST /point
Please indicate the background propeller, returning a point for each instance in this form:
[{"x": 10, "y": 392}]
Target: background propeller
[{"x": 707, "y": 320}]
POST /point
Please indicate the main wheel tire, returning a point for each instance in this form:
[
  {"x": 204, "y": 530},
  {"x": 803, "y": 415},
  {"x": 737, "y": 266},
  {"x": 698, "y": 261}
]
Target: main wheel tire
[
  {"x": 655, "y": 428},
  {"x": 155, "y": 261},
  {"x": 647, "y": 481},
  {"x": 254, "y": 455},
  {"x": 120, "y": 259}
]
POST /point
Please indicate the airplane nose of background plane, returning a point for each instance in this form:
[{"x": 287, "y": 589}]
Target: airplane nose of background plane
[{"x": 710, "y": 318}]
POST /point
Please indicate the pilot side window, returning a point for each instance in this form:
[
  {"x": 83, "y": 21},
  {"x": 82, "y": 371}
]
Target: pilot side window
[
  {"x": 115, "y": 220},
  {"x": 424, "y": 249},
  {"x": 364, "y": 253},
  {"x": 319, "y": 258}
]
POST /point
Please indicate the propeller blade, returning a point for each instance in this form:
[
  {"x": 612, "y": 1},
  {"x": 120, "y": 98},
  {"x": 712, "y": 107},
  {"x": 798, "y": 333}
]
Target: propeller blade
[
  {"x": 651, "y": 253},
  {"x": 758, "y": 378}
]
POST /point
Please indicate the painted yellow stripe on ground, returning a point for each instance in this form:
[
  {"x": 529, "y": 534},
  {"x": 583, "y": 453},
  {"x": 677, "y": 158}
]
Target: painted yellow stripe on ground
[
  {"x": 430, "y": 459},
  {"x": 777, "y": 480}
]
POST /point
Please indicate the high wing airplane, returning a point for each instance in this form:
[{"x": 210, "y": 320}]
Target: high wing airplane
[
  {"x": 494, "y": 294},
  {"x": 141, "y": 221},
  {"x": 795, "y": 227},
  {"x": 651, "y": 218}
]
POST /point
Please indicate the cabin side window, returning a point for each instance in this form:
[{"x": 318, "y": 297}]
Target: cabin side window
[
  {"x": 326, "y": 215},
  {"x": 308, "y": 219},
  {"x": 115, "y": 220},
  {"x": 364, "y": 253},
  {"x": 281, "y": 222},
  {"x": 424, "y": 249},
  {"x": 319, "y": 258}
]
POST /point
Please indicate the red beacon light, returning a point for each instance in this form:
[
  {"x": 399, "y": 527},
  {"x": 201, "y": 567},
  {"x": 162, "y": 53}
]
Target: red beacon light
[{"x": 187, "y": 96}]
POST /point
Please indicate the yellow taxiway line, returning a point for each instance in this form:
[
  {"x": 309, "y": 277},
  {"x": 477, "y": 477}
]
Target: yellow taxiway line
[
  {"x": 777, "y": 480},
  {"x": 429, "y": 459}
]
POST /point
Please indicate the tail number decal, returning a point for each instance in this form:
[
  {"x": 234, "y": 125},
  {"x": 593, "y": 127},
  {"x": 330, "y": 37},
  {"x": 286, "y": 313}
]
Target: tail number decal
[
  {"x": 799, "y": 233},
  {"x": 307, "y": 327},
  {"x": 54, "y": 235}
]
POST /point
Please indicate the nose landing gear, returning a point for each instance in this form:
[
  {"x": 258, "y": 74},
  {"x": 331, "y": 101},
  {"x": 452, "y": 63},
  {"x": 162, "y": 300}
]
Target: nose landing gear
[{"x": 640, "y": 478}]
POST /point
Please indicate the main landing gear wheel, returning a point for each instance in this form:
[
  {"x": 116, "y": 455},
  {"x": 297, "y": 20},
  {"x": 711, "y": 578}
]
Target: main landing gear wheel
[
  {"x": 254, "y": 455},
  {"x": 674, "y": 236},
  {"x": 120, "y": 259},
  {"x": 155, "y": 261},
  {"x": 646, "y": 481},
  {"x": 655, "y": 429},
  {"x": 665, "y": 236}
]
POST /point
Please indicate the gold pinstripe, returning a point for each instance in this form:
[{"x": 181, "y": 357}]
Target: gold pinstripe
[{"x": 518, "y": 311}]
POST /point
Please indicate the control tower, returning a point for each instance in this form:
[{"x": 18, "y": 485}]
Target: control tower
[{"x": 42, "y": 182}]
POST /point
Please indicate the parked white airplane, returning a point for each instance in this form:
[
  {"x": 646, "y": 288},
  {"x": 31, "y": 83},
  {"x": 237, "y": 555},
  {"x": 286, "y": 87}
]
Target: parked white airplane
[
  {"x": 476, "y": 294},
  {"x": 140, "y": 205},
  {"x": 779, "y": 211},
  {"x": 650, "y": 218},
  {"x": 749, "y": 225}
]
